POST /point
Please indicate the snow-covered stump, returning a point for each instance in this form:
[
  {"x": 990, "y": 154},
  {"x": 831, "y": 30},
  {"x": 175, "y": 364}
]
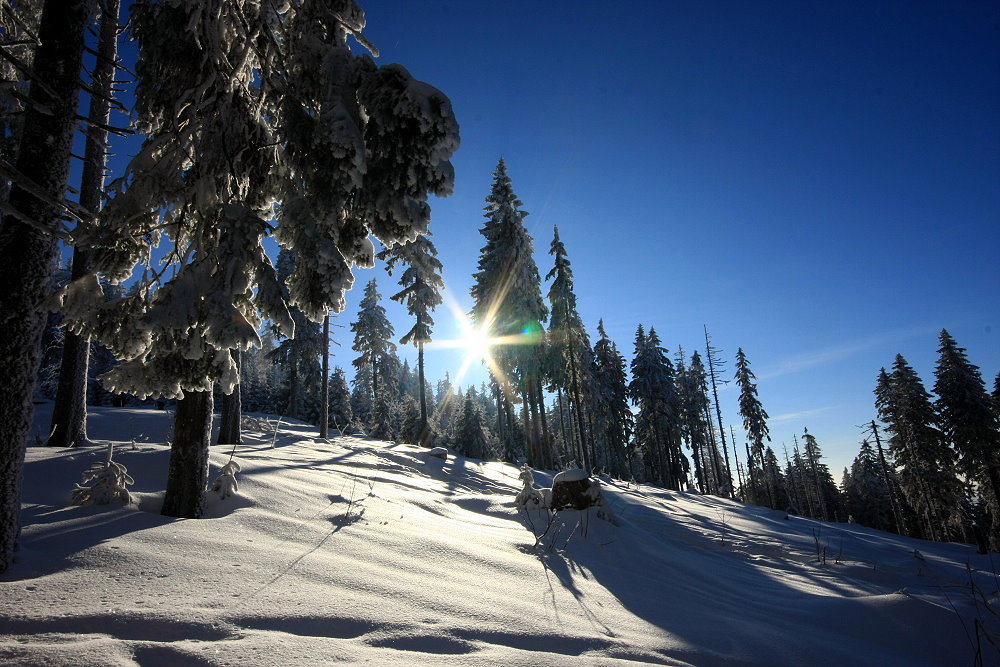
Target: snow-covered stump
[{"x": 572, "y": 489}]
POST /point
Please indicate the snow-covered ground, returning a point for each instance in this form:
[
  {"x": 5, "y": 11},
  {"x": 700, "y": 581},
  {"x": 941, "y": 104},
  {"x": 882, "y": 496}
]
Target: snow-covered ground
[{"x": 361, "y": 551}]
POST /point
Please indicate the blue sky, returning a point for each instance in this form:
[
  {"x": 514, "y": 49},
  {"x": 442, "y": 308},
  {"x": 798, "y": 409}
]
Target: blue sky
[{"x": 817, "y": 182}]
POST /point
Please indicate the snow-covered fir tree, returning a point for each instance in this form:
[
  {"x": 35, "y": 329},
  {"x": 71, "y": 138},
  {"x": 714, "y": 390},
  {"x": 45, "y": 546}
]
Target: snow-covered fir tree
[
  {"x": 29, "y": 235},
  {"x": 754, "y": 421},
  {"x": 341, "y": 413},
  {"x": 570, "y": 357},
  {"x": 422, "y": 284},
  {"x": 925, "y": 461},
  {"x": 298, "y": 356},
  {"x": 613, "y": 416},
  {"x": 865, "y": 492},
  {"x": 372, "y": 340},
  {"x": 385, "y": 141},
  {"x": 969, "y": 419},
  {"x": 472, "y": 435},
  {"x": 657, "y": 425},
  {"x": 509, "y": 307}
]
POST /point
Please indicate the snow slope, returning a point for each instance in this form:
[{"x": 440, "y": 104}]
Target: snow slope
[{"x": 362, "y": 551}]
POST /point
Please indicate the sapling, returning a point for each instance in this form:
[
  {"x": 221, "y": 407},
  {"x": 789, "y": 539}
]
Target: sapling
[
  {"x": 225, "y": 484},
  {"x": 110, "y": 482}
]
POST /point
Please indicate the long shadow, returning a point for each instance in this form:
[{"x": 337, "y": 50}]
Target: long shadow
[{"x": 718, "y": 606}]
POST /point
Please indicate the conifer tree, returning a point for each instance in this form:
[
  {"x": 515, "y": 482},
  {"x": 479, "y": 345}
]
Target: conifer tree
[
  {"x": 362, "y": 397},
  {"x": 571, "y": 357},
  {"x": 509, "y": 307},
  {"x": 472, "y": 437},
  {"x": 69, "y": 414},
  {"x": 29, "y": 241},
  {"x": 968, "y": 418},
  {"x": 341, "y": 413},
  {"x": 926, "y": 462},
  {"x": 372, "y": 339},
  {"x": 657, "y": 428},
  {"x": 754, "y": 416},
  {"x": 714, "y": 369},
  {"x": 865, "y": 491},
  {"x": 225, "y": 141},
  {"x": 614, "y": 417},
  {"x": 299, "y": 355},
  {"x": 422, "y": 284}
]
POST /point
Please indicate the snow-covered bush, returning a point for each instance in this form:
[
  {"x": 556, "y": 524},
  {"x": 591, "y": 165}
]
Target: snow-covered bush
[
  {"x": 110, "y": 481},
  {"x": 225, "y": 484},
  {"x": 529, "y": 496}
]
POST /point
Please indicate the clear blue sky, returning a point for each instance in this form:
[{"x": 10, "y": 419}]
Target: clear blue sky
[{"x": 817, "y": 182}]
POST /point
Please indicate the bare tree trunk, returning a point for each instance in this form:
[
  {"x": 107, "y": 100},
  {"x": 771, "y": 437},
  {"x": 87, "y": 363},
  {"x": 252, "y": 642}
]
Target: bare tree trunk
[
  {"x": 28, "y": 247},
  {"x": 546, "y": 440},
  {"x": 187, "y": 475},
  {"x": 324, "y": 408},
  {"x": 424, "y": 431},
  {"x": 69, "y": 415},
  {"x": 232, "y": 409}
]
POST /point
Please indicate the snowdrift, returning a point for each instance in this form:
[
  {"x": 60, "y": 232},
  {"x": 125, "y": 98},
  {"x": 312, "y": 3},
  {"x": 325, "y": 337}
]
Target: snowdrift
[{"x": 353, "y": 550}]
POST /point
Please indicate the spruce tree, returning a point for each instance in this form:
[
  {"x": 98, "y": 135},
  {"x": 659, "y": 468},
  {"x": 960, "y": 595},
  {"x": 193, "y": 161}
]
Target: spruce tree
[
  {"x": 926, "y": 462},
  {"x": 571, "y": 357},
  {"x": 422, "y": 284},
  {"x": 341, "y": 414},
  {"x": 69, "y": 414},
  {"x": 754, "y": 416},
  {"x": 614, "y": 417},
  {"x": 29, "y": 238},
  {"x": 865, "y": 491},
  {"x": 372, "y": 340},
  {"x": 472, "y": 437},
  {"x": 509, "y": 307},
  {"x": 225, "y": 142},
  {"x": 967, "y": 416},
  {"x": 299, "y": 355}
]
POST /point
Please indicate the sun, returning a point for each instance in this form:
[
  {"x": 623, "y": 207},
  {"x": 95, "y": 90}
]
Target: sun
[{"x": 476, "y": 341}]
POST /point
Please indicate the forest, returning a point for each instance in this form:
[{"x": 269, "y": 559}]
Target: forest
[{"x": 284, "y": 127}]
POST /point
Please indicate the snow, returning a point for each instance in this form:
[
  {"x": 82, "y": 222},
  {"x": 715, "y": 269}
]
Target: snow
[
  {"x": 361, "y": 551},
  {"x": 571, "y": 475}
]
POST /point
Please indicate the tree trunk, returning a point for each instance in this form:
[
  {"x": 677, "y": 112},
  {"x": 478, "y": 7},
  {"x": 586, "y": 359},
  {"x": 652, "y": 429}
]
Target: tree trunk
[
  {"x": 69, "y": 415},
  {"x": 424, "y": 430},
  {"x": 546, "y": 440},
  {"x": 187, "y": 475},
  {"x": 232, "y": 408},
  {"x": 324, "y": 408},
  {"x": 27, "y": 254}
]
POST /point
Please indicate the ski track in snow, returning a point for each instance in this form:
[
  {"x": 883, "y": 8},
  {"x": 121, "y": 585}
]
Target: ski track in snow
[{"x": 353, "y": 550}]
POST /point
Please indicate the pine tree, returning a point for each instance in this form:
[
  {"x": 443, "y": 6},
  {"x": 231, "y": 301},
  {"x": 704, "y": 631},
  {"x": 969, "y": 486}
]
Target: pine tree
[
  {"x": 69, "y": 414},
  {"x": 926, "y": 463},
  {"x": 571, "y": 365},
  {"x": 472, "y": 437},
  {"x": 410, "y": 427},
  {"x": 967, "y": 416},
  {"x": 714, "y": 369},
  {"x": 362, "y": 397},
  {"x": 225, "y": 142},
  {"x": 422, "y": 284},
  {"x": 29, "y": 241},
  {"x": 372, "y": 339},
  {"x": 754, "y": 416},
  {"x": 509, "y": 307},
  {"x": 657, "y": 426},
  {"x": 341, "y": 413},
  {"x": 299, "y": 355},
  {"x": 865, "y": 491},
  {"x": 614, "y": 417}
]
